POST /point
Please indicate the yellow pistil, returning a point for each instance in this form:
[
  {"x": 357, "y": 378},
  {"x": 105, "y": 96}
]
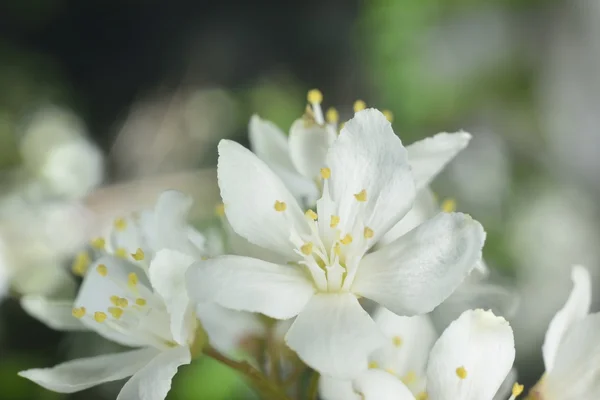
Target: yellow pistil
[
  {"x": 314, "y": 96},
  {"x": 335, "y": 220},
  {"x": 422, "y": 396},
  {"x": 121, "y": 252},
  {"x": 123, "y": 302},
  {"x": 280, "y": 206},
  {"x": 138, "y": 255},
  {"x": 120, "y": 224},
  {"x": 307, "y": 248},
  {"x": 461, "y": 372},
  {"x": 359, "y": 105},
  {"x": 332, "y": 116},
  {"x": 325, "y": 173},
  {"x": 361, "y": 196},
  {"x": 140, "y": 302},
  {"x": 98, "y": 243},
  {"x": 347, "y": 239},
  {"x": 311, "y": 214},
  {"x": 220, "y": 209},
  {"x": 409, "y": 378},
  {"x": 132, "y": 279},
  {"x": 102, "y": 270},
  {"x": 115, "y": 312},
  {"x": 79, "y": 312},
  {"x": 99, "y": 316},
  {"x": 373, "y": 365},
  {"x": 449, "y": 205},
  {"x": 81, "y": 263},
  {"x": 397, "y": 341},
  {"x": 368, "y": 233},
  {"x": 388, "y": 115}
]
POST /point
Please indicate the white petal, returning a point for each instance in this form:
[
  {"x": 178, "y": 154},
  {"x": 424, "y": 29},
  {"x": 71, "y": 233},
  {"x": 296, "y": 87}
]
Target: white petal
[
  {"x": 483, "y": 345},
  {"x": 409, "y": 340},
  {"x": 368, "y": 155},
  {"x": 309, "y": 144},
  {"x": 167, "y": 276},
  {"x": 153, "y": 382},
  {"x": 227, "y": 328},
  {"x": 57, "y": 314},
  {"x": 249, "y": 284},
  {"x": 505, "y": 389},
  {"x": 574, "y": 310},
  {"x": 337, "y": 389},
  {"x": 576, "y": 375},
  {"x": 425, "y": 207},
  {"x": 334, "y": 335},
  {"x": 429, "y": 156},
  {"x": 419, "y": 270},
  {"x": 84, "y": 373},
  {"x": 269, "y": 143},
  {"x": 249, "y": 190},
  {"x": 380, "y": 385}
]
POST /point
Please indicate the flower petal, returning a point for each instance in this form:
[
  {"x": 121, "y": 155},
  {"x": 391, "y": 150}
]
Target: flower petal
[
  {"x": 167, "y": 276},
  {"x": 249, "y": 190},
  {"x": 419, "y": 270},
  {"x": 57, "y": 314},
  {"x": 249, "y": 284},
  {"x": 369, "y": 156},
  {"x": 429, "y": 156},
  {"x": 269, "y": 143},
  {"x": 153, "y": 381},
  {"x": 380, "y": 385},
  {"x": 309, "y": 144},
  {"x": 506, "y": 387},
  {"x": 337, "y": 389},
  {"x": 575, "y": 309},
  {"x": 334, "y": 335},
  {"x": 470, "y": 343},
  {"x": 74, "y": 376},
  {"x": 575, "y": 374}
]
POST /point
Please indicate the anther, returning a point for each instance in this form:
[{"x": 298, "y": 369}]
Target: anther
[
  {"x": 461, "y": 372},
  {"x": 280, "y": 206},
  {"x": 138, "y": 255},
  {"x": 306, "y": 248},
  {"x": 98, "y": 243},
  {"x": 220, "y": 209},
  {"x": 99, "y": 316},
  {"x": 368, "y": 233},
  {"x": 373, "y": 365},
  {"x": 332, "y": 116},
  {"x": 140, "y": 302},
  {"x": 121, "y": 252},
  {"x": 132, "y": 279},
  {"x": 102, "y": 270},
  {"x": 361, "y": 196},
  {"x": 114, "y": 300},
  {"x": 314, "y": 96},
  {"x": 79, "y": 312},
  {"x": 388, "y": 115},
  {"x": 347, "y": 239},
  {"x": 359, "y": 105},
  {"x": 516, "y": 390},
  {"x": 325, "y": 173},
  {"x": 409, "y": 378},
  {"x": 335, "y": 220},
  {"x": 122, "y": 302},
  {"x": 337, "y": 249},
  {"x": 397, "y": 341},
  {"x": 120, "y": 224},
  {"x": 422, "y": 396},
  {"x": 115, "y": 312},
  {"x": 311, "y": 214},
  {"x": 81, "y": 263},
  {"x": 449, "y": 205}
]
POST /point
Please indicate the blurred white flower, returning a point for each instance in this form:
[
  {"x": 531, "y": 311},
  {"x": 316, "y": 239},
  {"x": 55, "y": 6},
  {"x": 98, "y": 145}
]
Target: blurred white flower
[{"x": 367, "y": 188}]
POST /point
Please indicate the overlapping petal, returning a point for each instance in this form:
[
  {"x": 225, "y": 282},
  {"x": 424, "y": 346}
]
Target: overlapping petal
[
  {"x": 57, "y": 314},
  {"x": 380, "y": 385},
  {"x": 309, "y": 144}
]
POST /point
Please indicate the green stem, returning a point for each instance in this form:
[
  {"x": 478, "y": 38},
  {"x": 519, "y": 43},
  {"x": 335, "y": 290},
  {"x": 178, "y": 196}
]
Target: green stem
[
  {"x": 259, "y": 381},
  {"x": 313, "y": 388}
]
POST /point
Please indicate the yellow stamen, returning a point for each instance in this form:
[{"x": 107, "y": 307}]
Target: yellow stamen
[
  {"x": 422, "y": 396},
  {"x": 388, "y": 115},
  {"x": 99, "y": 316},
  {"x": 280, "y": 206},
  {"x": 138, "y": 255},
  {"x": 115, "y": 312},
  {"x": 120, "y": 224},
  {"x": 461, "y": 372},
  {"x": 337, "y": 249},
  {"x": 140, "y": 302},
  {"x": 359, "y": 105},
  {"x": 397, "y": 341},
  {"x": 449, "y": 205},
  {"x": 79, "y": 312},
  {"x": 132, "y": 279},
  {"x": 123, "y": 302},
  {"x": 409, "y": 378},
  {"x": 81, "y": 263},
  {"x": 325, "y": 173},
  {"x": 347, "y": 239},
  {"x": 368, "y": 233},
  {"x": 311, "y": 214},
  {"x": 314, "y": 96},
  {"x": 335, "y": 220},
  {"x": 121, "y": 252},
  {"x": 114, "y": 300},
  {"x": 204, "y": 258},
  {"x": 102, "y": 270},
  {"x": 373, "y": 365},
  {"x": 361, "y": 196},
  {"x": 306, "y": 249},
  {"x": 517, "y": 390},
  {"x": 220, "y": 209},
  {"x": 332, "y": 116},
  {"x": 98, "y": 243}
]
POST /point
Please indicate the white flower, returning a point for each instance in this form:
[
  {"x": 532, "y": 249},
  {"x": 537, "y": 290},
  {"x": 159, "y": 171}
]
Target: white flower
[
  {"x": 571, "y": 348},
  {"x": 297, "y": 159},
  {"x": 367, "y": 188}
]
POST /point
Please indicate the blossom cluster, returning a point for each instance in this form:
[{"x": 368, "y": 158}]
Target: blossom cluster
[{"x": 334, "y": 255}]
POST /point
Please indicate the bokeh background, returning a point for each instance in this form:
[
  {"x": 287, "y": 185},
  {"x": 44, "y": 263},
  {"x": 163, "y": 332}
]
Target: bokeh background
[{"x": 105, "y": 103}]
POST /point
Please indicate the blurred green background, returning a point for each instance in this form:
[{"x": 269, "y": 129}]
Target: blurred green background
[{"x": 149, "y": 87}]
